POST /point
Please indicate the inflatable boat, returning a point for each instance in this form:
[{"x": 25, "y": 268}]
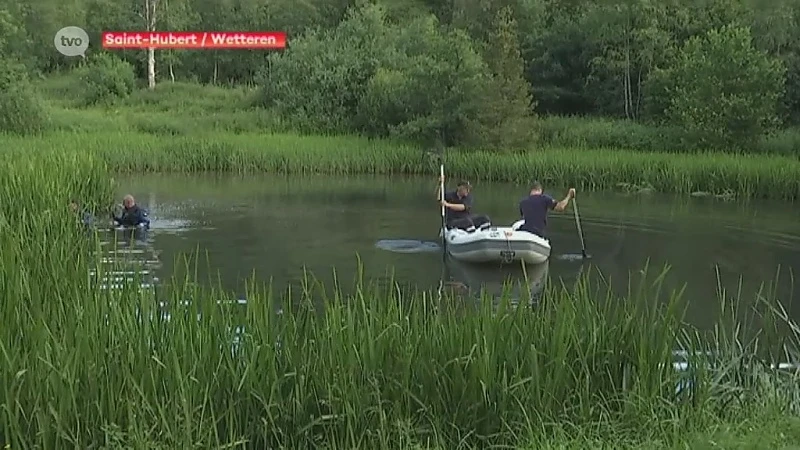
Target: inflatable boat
[{"x": 497, "y": 244}]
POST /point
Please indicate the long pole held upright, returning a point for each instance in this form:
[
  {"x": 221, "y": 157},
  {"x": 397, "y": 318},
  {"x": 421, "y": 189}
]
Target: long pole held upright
[
  {"x": 580, "y": 229},
  {"x": 441, "y": 197}
]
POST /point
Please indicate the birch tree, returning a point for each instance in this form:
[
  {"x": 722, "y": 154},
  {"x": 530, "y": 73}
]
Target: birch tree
[
  {"x": 632, "y": 42},
  {"x": 176, "y": 15},
  {"x": 150, "y": 17}
]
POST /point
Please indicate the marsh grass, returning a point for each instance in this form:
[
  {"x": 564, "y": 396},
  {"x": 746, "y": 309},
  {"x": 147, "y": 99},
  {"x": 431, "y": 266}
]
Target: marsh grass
[
  {"x": 376, "y": 369},
  {"x": 593, "y": 133},
  {"x": 184, "y": 127},
  {"x": 172, "y": 109},
  {"x": 183, "y": 109},
  {"x": 746, "y": 175},
  {"x": 82, "y": 367}
]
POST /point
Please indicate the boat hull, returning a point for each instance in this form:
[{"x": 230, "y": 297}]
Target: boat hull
[{"x": 497, "y": 244}]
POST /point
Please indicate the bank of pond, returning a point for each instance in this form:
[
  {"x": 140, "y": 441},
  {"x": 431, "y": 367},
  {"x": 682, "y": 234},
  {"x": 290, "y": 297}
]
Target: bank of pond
[{"x": 719, "y": 175}]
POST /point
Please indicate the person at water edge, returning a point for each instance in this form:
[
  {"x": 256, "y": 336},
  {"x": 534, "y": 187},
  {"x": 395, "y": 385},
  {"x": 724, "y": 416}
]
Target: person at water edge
[
  {"x": 458, "y": 207},
  {"x": 132, "y": 215},
  {"x": 537, "y": 205},
  {"x": 86, "y": 217}
]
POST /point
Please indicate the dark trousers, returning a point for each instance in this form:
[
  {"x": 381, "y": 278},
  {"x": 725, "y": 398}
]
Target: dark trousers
[
  {"x": 536, "y": 232},
  {"x": 466, "y": 222}
]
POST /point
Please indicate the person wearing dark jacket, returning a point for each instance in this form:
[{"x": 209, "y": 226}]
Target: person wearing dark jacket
[
  {"x": 132, "y": 215},
  {"x": 458, "y": 207},
  {"x": 536, "y": 205}
]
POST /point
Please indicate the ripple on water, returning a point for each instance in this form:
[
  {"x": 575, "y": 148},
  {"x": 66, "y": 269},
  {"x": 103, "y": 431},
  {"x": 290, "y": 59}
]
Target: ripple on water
[
  {"x": 172, "y": 225},
  {"x": 407, "y": 246},
  {"x": 775, "y": 238}
]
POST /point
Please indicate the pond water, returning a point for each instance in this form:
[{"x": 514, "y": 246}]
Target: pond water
[{"x": 279, "y": 228}]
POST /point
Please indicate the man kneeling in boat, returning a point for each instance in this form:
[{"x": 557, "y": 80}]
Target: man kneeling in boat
[
  {"x": 537, "y": 205},
  {"x": 458, "y": 207},
  {"x": 132, "y": 215}
]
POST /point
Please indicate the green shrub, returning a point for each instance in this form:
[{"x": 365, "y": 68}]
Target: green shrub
[
  {"x": 414, "y": 81},
  {"x": 106, "y": 79},
  {"x": 722, "y": 89},
  {"x": 599, "y": 133},
  {"x": 21, "y": 110}
]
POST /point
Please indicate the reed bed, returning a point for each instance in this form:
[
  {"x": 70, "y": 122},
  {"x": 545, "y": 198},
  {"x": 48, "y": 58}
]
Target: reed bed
[
  {"x": 83, "y": 367},
  {"x": 743, "y": 175}
]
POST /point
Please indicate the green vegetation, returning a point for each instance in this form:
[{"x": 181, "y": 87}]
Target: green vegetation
[
  {"x": 768, "y": 177},
  {"x": 85, "y": 368},
  {"x": 595, "y": 94},
  {"x": 142, "y": 133},
  {"x": 514, "y": 74}
]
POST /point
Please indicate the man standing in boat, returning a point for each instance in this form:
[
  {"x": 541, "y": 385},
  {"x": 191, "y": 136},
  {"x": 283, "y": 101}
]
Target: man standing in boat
[
  {"x": 458, "y": 207},
  {"x": 537, "y": 205}
]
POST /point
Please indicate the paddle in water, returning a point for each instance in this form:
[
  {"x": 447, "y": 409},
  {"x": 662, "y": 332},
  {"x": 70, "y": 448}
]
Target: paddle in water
[
  {"x": 580, "y": 229},
  {"x": 583, "y": 255}
]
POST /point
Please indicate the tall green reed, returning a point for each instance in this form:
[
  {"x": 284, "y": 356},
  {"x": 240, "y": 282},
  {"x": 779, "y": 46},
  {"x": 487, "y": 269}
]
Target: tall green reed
[
  {"x": 744, "y": 175},
  {"x": 84, "y": 367}
]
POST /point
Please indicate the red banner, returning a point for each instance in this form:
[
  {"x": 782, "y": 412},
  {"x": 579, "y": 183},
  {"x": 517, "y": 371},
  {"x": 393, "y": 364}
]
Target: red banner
[{"x": 267, "y": 40}]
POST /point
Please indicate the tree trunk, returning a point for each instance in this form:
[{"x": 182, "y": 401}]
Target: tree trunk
[
  {"x": 626, "y": 81},
  {"x": 150, "y": 20},
  {"x": 638, "y": 106},
  {"x": 151, "y": 68}
]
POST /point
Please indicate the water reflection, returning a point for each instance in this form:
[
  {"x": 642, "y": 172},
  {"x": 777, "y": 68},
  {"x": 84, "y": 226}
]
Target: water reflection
[
  {"x": 408, "y": 246},
  {"x": 515, "y": 283},
  {"x": 125, "y": 258}
]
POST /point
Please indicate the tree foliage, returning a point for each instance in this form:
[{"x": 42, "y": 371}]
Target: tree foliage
[
  {"x": 505, "y": 110},
  {"x": 722, "y": 89},
  {"x": 107, "y": 78},
  {"x": 466, "y": 72},
  {"x": 21, "y": 110}
]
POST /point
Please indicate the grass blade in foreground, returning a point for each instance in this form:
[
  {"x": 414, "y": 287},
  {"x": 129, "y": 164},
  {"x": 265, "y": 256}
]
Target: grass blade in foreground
[{"x": 85, "y": 368}]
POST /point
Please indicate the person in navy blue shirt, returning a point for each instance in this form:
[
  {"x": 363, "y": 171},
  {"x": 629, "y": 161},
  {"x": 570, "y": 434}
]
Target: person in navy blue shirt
[
  {"x": 537, "y": 205},
  {"x": 458, "y": 207}
]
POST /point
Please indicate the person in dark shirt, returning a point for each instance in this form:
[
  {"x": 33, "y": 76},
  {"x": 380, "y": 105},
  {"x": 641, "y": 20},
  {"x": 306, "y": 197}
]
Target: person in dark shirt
[
  {"x": 537, "y": 205},
  {"x": 132, "y": 215},
  {"x": 458, "y": 207},
  {"x": 85, "y": 217}
]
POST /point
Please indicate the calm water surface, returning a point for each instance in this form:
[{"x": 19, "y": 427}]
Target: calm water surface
[{"x": 275, "y": 227}]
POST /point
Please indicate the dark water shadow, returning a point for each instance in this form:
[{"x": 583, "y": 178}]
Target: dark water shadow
[
  {"x": 516, "y": 283},
  {"x": 408, "y": 246},
  {"x": 573, "y": 257}
]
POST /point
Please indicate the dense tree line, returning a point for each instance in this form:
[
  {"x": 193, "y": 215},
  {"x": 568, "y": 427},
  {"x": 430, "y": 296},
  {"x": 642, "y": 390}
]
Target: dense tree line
[{"x": 467, "y": 72}]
